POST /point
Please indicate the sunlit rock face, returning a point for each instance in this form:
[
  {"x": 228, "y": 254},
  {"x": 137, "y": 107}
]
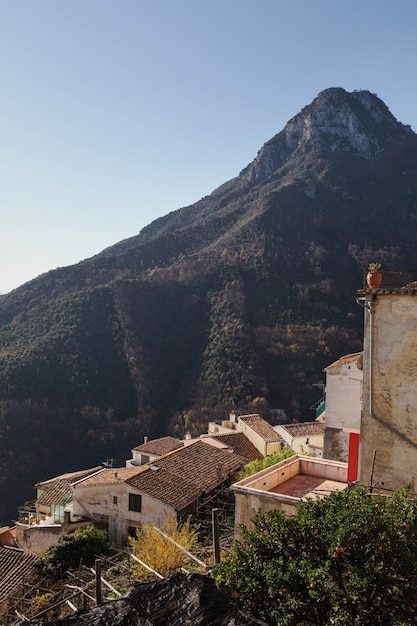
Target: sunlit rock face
[{"x": 336, "y": 121}]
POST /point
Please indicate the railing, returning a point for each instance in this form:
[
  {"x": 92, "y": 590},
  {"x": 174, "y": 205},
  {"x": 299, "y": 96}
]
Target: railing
[{"x": 320, "y": 408}]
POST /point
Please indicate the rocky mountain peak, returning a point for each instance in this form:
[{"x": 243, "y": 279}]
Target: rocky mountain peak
[{"x": 336, "y": 121}]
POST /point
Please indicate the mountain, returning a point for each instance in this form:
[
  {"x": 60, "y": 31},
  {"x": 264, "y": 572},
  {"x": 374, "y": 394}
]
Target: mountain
[{"x": 237, "y": 301}]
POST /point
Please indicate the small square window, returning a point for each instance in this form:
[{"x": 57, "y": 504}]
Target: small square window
[{"x": 135, "y": 502}]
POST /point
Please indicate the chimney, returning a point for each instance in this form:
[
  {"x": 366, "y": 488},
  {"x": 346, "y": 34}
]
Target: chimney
[
  {"x": 219, "y": 472},
  {"x": 145, "y": 440},
  {"x": 115, "y": 475}
]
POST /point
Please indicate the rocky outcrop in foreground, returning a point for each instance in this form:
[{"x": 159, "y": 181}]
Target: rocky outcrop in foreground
[{"x": 187, "y": 600}]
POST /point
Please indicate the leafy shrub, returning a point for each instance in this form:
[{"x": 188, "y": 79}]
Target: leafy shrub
[
  {"x": 268, "y": 461},
  {"x": 84, "y": 546}
]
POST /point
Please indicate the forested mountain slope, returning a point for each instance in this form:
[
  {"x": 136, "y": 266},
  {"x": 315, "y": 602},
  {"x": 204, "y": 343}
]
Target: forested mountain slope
[{"x": 239, "y": 300}]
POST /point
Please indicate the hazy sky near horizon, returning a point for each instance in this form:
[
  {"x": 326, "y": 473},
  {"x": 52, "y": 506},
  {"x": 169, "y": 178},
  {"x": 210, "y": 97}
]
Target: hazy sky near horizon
[{"x": 116, "y": 112}]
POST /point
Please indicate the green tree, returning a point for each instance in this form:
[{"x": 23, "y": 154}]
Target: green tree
[
  {"x": 345, "y": 559},
  {"x": 84, "y": 545}
]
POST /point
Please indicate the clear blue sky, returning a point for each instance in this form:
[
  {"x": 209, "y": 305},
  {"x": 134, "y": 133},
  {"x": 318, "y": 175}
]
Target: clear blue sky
[{"x": 115, "y": 112}]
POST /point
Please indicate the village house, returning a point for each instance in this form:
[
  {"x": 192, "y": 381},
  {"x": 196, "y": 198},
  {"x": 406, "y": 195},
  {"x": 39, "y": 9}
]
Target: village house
[
  {"x": 257, "y": 430},
  {"x": 287, "y": 483},
  {"x": 36, "y": 533},
  {"x": 55, "y": 494},
  {"x": 175, "y": 484},
  {"x": 388, "y": 452},
  {"x": 149, "y": 451},
  {"x": 303, "y": 437}
]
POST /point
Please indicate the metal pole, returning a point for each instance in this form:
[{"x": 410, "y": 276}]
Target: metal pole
[
  {"x": 216, "y": 541},
  {"x": 98, "y": 581}
]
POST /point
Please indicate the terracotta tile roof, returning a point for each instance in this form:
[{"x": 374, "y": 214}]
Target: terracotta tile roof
[
  {"x": 58, "y": 490},
  {"x": 199, "y": 461},
  {"x": 239, "y": 444},
  {"x": 261, "y": 427},
  {"x": 182, "y": 475},
  {"x": 112, "y": 476},
  {"x": 14, "y": 565},
  {"x": 175, "y": 491},
  {"x": 304, "y": 429},
  {"x": 345, "y": 359},
  {"x": 160, "y": 446}
]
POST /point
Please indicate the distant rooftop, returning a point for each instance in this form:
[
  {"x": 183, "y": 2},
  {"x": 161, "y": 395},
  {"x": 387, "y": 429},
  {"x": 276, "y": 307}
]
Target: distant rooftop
[
  {"x": 355, "y": 356},
  {"x": 160, "y": 446},
  {"x": 57, "y": 490},
  {"x": 238, "y": 443},
  {"x": 14, "y": 566},
  {"x": 260, "y": 426},
  {"x": 304, "y": 429},
  {"x": 112, "y": 476}
]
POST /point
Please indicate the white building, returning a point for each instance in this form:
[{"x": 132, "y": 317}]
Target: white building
[{"x": 343, "y": 404}]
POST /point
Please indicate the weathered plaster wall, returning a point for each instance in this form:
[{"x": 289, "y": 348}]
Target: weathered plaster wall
[
  {"x": 336, "y": 444},
  {"x": 300, "y": 445},
  {"x": 389, "y": 418},
  {"x": 246, "y": 505},
  {"x": 37, "y": 539},
  {"x": 98, "y": 503}
]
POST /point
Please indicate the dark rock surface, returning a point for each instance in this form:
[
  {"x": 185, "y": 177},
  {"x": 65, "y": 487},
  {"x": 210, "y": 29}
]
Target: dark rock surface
[{"x": 187, "y": 600}]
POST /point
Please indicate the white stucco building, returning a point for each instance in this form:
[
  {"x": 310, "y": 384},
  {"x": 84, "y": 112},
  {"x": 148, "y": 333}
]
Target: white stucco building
[{"x": 343, "y": 404}]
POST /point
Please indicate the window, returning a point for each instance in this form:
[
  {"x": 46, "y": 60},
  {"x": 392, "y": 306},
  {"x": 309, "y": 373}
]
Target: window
[
  {"x": 135, "y": 502},
  {"x": 114, "y": 500}
]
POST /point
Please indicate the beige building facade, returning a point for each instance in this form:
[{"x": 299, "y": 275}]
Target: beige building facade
[{"x": 388, "y": 453}]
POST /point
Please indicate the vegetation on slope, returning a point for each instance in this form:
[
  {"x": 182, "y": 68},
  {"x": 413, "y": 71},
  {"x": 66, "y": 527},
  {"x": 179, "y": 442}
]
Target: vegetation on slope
[{"x": 238, "y": 301}]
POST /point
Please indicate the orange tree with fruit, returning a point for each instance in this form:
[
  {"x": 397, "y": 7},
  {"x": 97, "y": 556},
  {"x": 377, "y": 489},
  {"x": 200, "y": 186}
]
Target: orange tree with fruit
[{"x": 345, "y": 559}]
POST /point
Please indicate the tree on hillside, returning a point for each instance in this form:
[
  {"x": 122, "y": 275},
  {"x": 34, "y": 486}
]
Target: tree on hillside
[{"x": 345, "y": 559}]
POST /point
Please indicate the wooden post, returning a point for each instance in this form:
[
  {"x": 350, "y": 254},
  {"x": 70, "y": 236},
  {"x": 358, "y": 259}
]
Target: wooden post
[
  {"x": 98, "y": 581},
  {"x": 371, "y": 477},
  {"x": 216, "y": 542}
]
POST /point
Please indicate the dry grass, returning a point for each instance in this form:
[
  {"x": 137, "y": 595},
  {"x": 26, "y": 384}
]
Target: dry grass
[{"x": 160, "y": 554}]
